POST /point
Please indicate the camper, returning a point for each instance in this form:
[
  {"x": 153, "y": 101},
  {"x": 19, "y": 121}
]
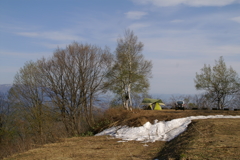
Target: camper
[
  {"x": 152, "y": 104},
  {"x": 180, "y": 105}
]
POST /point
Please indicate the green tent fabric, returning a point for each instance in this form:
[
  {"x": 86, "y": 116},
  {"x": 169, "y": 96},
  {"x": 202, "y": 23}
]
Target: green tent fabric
[
  {"x": 151, "y": 106},
  {"x": 156, "y": 102},
  {"x": 157, "y": 107},
  {"x": 149, "y": 100}
]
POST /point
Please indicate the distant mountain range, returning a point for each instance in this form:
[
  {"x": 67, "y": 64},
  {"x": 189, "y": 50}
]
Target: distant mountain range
[{"x": 4, "y": 88}]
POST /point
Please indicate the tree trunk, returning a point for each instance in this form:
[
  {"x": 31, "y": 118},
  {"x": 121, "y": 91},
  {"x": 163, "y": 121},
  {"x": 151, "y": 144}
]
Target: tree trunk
[
  {"x": 218, "y": 103},
  {"x": 129, "y": 95}
]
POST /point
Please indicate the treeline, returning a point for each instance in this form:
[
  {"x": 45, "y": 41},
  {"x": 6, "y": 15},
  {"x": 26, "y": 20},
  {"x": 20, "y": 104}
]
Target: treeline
[
  {"x": 55, "y": 97},
  {"x": 205, "y": 102},
  {"x": 221, "y": 85}
]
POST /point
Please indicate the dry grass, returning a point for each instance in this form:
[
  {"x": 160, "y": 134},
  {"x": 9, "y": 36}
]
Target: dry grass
[
  {"x": 212, "y": 139},
  {"x": 140, "y": 117},
  {"x": 84, "y": 148},
  {"x": 204, "y": 139}
]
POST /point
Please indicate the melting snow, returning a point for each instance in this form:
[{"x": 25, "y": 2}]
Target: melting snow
[{"x": 159, "y": 131}]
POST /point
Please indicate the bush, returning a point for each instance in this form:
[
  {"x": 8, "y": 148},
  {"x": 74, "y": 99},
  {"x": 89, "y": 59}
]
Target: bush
[{"x": 108, "y": 118}]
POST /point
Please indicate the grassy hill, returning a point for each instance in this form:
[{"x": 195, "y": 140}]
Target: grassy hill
[{"x": 204, "y": 139}]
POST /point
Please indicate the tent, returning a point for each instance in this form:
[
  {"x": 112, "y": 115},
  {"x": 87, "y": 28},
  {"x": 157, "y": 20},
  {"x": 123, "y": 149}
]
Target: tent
[{"x": 154, "y": 104}]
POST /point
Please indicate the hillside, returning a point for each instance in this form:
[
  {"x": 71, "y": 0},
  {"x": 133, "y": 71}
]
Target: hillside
[{"x": 204, "y": 139}]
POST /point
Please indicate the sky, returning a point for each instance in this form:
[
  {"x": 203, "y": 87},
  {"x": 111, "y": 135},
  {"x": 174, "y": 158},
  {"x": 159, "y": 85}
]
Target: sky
[{"x": 179, "y": 36}]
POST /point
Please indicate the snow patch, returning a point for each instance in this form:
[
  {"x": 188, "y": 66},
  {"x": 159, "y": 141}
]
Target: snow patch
[{"x": 159, "y": 131}]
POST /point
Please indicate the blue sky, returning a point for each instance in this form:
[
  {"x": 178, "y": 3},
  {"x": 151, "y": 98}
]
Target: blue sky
[{"x": 179, "y": 36}]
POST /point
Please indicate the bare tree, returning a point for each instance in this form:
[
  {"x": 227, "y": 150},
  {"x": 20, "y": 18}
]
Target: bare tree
[
  {"x": 219, "y": 82},
  {"x": 4, "y": 112},
  {"x": 200, "y": 101},
  {"x": 234, "y": 101},
  {"x": 130, "y": 71},
  {"x": 28, "y": 100},
  {"x": 72, "y": 78}
]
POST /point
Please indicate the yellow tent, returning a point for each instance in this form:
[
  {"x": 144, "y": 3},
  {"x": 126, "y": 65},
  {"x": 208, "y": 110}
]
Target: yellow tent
[
  {"x": 151, "y": 102},
  {"x": 157, "y": 107}
]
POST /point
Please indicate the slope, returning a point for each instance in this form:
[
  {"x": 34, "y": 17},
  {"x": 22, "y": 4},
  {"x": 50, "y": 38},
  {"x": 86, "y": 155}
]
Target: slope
[{"x": 221, "y": 136}]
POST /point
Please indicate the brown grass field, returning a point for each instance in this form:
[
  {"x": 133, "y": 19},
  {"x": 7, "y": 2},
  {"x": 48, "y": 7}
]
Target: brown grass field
[{"x": 210, "y": 139}]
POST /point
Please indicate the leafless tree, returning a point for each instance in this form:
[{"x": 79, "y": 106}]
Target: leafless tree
[
  {"x": 72, "y": 78},
  {"x": 4, "y": 111},
  {"x": 28, "y": 100},
  {"x": 234, "y": 101}
]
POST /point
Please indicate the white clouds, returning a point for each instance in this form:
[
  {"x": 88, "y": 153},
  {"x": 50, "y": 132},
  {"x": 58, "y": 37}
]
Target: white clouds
[
  {"x": 178, "y": 39},
  {"x": 24, "y": 55},
  {"x": 177, "y": 43},
  {"x": 52, "y": 40},
  {"x": 189, "y": 47},
  {"x": 195, "y": 3},
  {"x": 225, "y": 50},
  {"x": 135, "y": 14},
  {"x": 177, "y": 54},
  {"x": 55, "y": 35},
  {"x": 236, "y": 19},
  {"x": 198, "y": 3},
  {"x": 54, "y": 45}
]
